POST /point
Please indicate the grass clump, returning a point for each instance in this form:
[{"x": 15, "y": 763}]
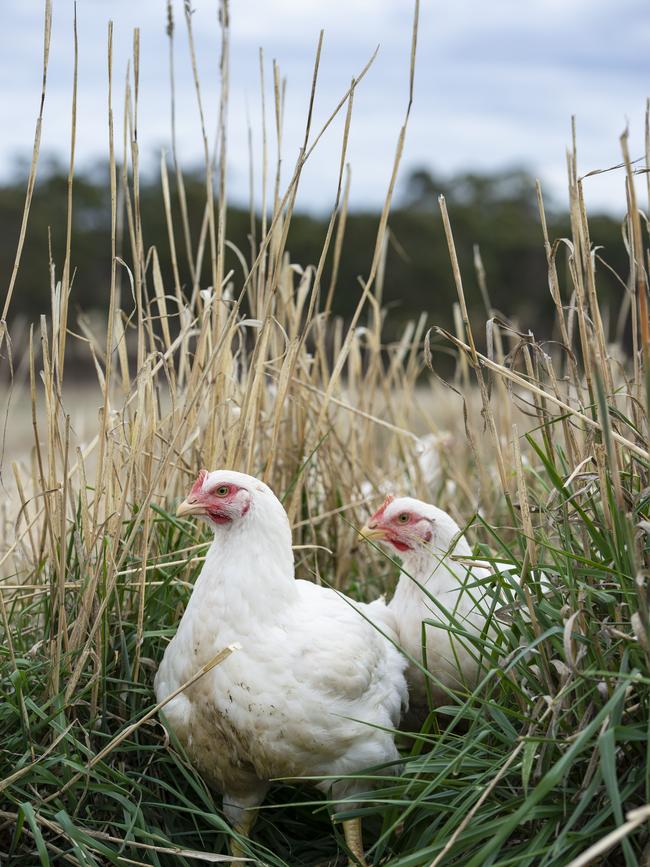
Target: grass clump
[{"x": 547, "y": 466}]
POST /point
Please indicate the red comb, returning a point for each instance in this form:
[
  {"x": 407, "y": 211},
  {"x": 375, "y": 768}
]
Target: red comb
[
  {"x": 197, "y": 487},
  {"x": 380, "y": 511}
]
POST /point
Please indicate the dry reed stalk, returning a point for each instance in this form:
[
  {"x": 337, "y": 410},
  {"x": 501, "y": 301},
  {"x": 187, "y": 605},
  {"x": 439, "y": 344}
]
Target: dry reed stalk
[
  {"x": 209, "y": 196},
  {"x": 554, "y": 287},
  {"x": 180, "y": 186},
  {"x": 488, "y": 415},
  {"x": 367, "y": 284},
  {"x": 639, "y": 279},
  {"x": 222, "y": 125},
  {"x": 535, "y": 389},
  {"x": 31, "y": 181},
  {"x": 575, "y": 261}
]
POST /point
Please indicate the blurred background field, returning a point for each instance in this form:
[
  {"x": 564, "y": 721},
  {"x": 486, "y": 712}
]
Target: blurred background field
[{"x": 495, "y": 212}]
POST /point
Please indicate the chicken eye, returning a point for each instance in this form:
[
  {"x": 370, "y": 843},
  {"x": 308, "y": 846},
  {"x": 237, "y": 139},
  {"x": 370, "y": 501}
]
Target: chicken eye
[
  {"x": 403, "y": 518},
  {"x": 222, "y": 491}
]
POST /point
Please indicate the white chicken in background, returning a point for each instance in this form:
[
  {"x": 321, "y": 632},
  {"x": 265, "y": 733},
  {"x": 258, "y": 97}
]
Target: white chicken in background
[
  {"x": 424, "y": 468},
  {"x": 425, "y": 538},
  {"x": 314, "y": 691},
  {"x": 427, "y": 458}
]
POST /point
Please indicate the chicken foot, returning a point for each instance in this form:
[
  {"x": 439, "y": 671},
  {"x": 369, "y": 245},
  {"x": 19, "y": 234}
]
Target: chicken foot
[{"x": 354, "y": 838}]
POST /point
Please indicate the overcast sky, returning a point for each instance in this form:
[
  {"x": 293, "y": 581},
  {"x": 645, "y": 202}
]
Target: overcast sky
[{"x": 496, "y": 85}]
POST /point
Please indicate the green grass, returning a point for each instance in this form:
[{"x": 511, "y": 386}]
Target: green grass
[{"x": 564, "y": 701}]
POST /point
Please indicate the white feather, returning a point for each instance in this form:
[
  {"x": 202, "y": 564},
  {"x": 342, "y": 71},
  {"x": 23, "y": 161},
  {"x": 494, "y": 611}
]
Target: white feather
[
  {"x": 433, "y": 585},
  {"x": 314, "y": 687}
]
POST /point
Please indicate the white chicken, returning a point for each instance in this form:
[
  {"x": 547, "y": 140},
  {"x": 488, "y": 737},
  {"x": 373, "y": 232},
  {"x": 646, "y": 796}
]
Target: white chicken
[
  {"x": 314, "y": 691},
  {"x": 424, "y": 538},
  {"x": 424, "y": 467}
]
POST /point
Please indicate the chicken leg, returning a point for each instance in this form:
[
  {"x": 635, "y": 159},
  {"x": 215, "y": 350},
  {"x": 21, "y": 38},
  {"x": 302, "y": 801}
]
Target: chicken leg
[
  {"x": 354, "y": 839},
  {"x": 243, "y": 828}
]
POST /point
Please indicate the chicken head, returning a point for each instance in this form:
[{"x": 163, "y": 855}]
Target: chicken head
[
  {"x": 218, "y": 497},
  {"x": 401, "y": 523}
]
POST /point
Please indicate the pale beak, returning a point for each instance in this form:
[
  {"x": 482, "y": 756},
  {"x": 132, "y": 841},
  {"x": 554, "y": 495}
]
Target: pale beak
[
  {"x": 368, "y": 532},
  {"x": 190, "y": 506}
]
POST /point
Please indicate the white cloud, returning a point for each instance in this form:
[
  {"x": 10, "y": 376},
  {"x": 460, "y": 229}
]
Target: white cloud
[{"x": 496, "y": 84}]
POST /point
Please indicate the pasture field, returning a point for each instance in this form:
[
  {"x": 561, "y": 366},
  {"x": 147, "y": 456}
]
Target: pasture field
[{"x": 543, "y": 456}]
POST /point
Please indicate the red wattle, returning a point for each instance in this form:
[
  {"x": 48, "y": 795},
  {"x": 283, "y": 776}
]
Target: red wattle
[
  {"x": 401, "y": 546},
  {"x": 219, "y": 518}
]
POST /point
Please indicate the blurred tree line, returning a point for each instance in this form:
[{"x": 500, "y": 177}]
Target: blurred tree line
[{"x": 497, "y": 212}]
